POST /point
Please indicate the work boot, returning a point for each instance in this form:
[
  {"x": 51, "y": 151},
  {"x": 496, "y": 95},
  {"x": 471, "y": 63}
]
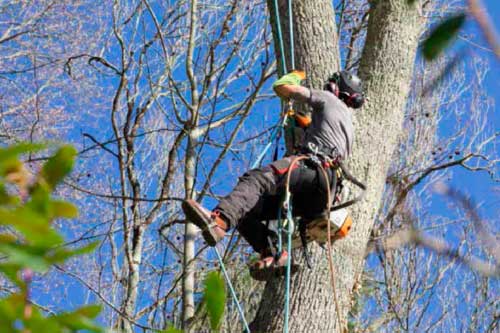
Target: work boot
[
  {"x": 212, "y": 226},
  {"x": 268, "y": 266}
]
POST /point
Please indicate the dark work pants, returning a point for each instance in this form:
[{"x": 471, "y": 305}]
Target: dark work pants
[{"x": 259, "y": 194}]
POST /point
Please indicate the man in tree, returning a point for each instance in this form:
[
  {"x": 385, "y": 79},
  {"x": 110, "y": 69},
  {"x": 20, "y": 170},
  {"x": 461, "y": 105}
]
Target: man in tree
[{"x": 259, "y": 192}]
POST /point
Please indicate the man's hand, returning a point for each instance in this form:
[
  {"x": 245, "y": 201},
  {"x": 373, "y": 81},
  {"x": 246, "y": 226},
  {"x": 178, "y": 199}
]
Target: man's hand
[{"x": 286, "y": 84}]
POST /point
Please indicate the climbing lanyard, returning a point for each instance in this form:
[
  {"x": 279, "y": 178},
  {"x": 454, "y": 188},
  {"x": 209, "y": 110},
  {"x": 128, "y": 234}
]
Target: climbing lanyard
[
  {"x": 274, "y": 135},
  {"x": 287, "y": 202},
  {"x": 284, "y": 118},
  {"x": 329, "y": 245},
  {"x": 280, "y": 35}
]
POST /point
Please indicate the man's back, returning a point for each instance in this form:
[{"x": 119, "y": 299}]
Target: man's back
[{"x": 331, "y": 124}]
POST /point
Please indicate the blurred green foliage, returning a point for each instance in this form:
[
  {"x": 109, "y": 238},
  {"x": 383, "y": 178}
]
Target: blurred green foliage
[
  {"x": 214, "y": 297},
  {"x": 442, "y": 36},
  {"x": 29, "y": 243}
]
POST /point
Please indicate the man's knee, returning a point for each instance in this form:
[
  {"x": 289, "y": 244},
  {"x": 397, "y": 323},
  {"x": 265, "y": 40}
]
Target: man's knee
[{"x": 262, "y": 178}]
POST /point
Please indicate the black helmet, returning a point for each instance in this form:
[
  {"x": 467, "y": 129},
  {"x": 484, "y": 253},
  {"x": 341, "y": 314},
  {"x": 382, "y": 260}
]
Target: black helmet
[{"x": 350, "y": 88}]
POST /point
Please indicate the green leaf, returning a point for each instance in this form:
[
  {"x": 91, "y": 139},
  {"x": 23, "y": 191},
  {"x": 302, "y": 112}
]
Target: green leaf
[
  {"x": 13, "y": 320},
  {"x": 10, "y": 165},
  {"x": 35, "y": 228},
  {"x": 39, "y": 323},
  {"x": 5, "y": 198},
  {"x": 11, "y": 308},
  {"x": 24, "y": 256},
  {"x": 21, "y": 148},
  {"x": 63, "y": 209},
  {"x": 40, "y": 199},
  {"x": 89, "y": 311},
  {"x": 9, "y": 156},
  {"x": 80, "y": 319},
  {"x": 10, "y": 271},
  {"x": 169, "y": 330},
  {"x": 441, "y": 36},
  {"x": 61, "y": 254},
  {"x": 214, "y": 297},
  {"x": 59, "y": 165}
]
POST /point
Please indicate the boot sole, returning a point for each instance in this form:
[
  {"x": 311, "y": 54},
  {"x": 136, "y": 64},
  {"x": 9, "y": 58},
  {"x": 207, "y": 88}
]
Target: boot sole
[{"x": 198, "y": 218}]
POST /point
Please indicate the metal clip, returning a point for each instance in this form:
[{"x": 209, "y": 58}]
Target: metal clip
[
  {"x": 290, "y": 112},
  {"x": 286, "y": 201},
  {"x": 288, "y": 223}
]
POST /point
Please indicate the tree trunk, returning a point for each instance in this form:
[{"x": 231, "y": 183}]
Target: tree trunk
[
  {"x": 188, "y": 281},
  {"x": 190, "y": 231},
  {"x": 386, "y": 68}
]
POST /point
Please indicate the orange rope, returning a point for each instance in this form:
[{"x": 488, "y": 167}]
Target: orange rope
[{"x": 329, "y": 247}]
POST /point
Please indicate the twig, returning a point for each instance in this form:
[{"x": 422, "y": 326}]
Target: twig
[
  {"x": 119, "y": 197},
  {"x": 413, "y": 236},
  {"x": 477, "y": 10},
  {"x": 108, "y": 303}
]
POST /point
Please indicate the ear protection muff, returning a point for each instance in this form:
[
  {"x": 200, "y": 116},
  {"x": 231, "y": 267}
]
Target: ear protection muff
[
  {"x": 355, "y": 100},
  {"x": 348, "y": 88}
]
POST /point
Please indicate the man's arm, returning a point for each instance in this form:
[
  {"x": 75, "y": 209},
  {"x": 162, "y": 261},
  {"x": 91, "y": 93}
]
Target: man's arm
[
  {"x": 288, "y": 86},
  {"x": 298, "y": 93}
]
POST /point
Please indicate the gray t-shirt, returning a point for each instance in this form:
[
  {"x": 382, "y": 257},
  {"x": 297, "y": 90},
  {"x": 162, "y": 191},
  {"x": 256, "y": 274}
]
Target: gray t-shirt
[{"x": 331, "y": 124}]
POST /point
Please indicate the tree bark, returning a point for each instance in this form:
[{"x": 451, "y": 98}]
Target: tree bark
[
  {"x": 188, "y": 280},
  {"x": 190, "y": 231},
  {"x": 386, "y": 67}
]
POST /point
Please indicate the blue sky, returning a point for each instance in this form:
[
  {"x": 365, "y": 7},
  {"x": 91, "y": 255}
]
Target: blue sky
[{"x": 479, "y": 184}]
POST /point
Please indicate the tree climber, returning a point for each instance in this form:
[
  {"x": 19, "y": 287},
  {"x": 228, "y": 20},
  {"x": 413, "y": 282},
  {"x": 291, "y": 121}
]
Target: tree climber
[{"x": 259, "y": 193}]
